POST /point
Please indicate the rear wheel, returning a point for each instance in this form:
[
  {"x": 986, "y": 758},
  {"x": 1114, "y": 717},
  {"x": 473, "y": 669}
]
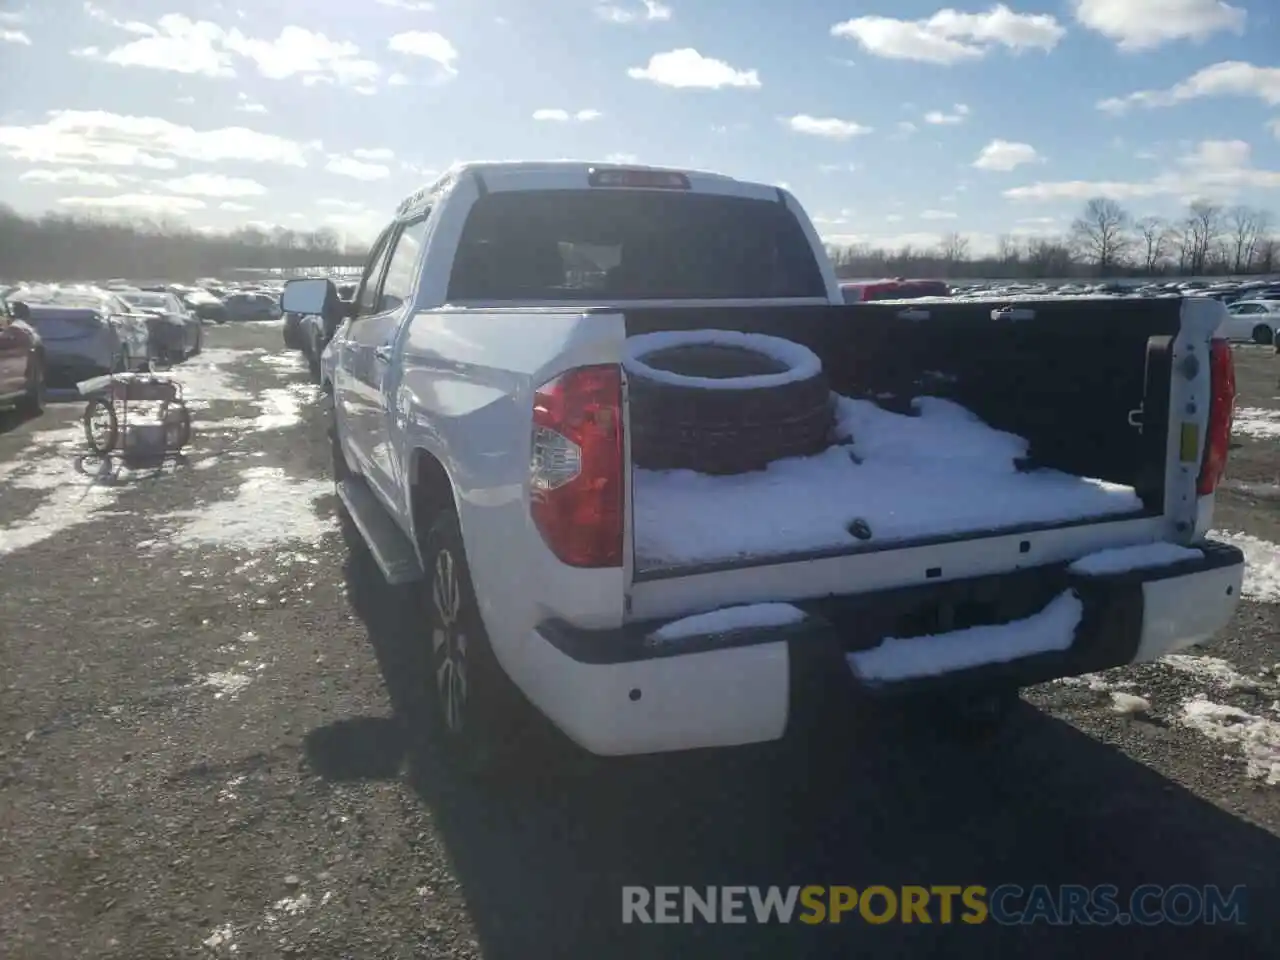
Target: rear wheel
[
  {"x": 481, "y": 714},
  {"x": 1262, "y": 334}
]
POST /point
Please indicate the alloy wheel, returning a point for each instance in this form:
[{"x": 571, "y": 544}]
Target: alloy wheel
[{"x": 449, "y": 642}]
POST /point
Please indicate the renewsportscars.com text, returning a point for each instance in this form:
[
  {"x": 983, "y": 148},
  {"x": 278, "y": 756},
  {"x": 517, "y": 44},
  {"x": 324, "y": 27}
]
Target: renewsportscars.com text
[{"x": 1008, "y": 905}]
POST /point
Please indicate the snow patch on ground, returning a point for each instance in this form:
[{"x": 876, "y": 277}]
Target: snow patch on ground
[
  {"x": 226, "y": 683},
  {"x": 1053, "y": 628},
  {"x": 269, "y": 509},
  {"x": 729, "y": 619},
  {"x": 1123, "y": 559},
  {"x": 1257, "y": 737},
  {"x": 204, "y": 377},
  {"x": 221, "y": 940},
  {"x": 942, "y": 472},
  {"x": 48, "y": 465},
  {"x": 1213, "y": 670},
  {"x": 282, "y": 406},
  {"x": 1258, "y": 423},
  {"x": 1262, "y": 565},
  {"x": 1130, "y": 704}
]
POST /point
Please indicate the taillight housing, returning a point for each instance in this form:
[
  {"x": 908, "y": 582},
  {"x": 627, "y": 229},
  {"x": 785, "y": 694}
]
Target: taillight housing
[
  {"x": 1222, "y": 402},
  {"x": 575, "y": 466}
]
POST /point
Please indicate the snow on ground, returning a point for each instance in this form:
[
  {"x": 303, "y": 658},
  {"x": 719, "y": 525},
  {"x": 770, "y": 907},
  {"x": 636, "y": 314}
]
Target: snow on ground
[
  {"x": 72, "y": 497},
  {"x": 1053, "y": 628},
  {"x": 942, "y": 472},
  {"x": 268, "y": 509},
  {"x": 282, "y": 406},
  {"x": 1212, "y": 670},
  {"x": 1262, "y": 565},
  {"x": 205, "y": 377},
  {"x": 1257, "y": 422},
  {"x": 1257, "y": 737}
]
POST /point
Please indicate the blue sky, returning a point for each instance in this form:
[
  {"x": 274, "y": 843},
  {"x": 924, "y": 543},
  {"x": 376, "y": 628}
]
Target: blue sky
[{"x": 892, "y": 122}]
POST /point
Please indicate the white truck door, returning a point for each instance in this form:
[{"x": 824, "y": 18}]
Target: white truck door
[{"x": 381, "y": 305}]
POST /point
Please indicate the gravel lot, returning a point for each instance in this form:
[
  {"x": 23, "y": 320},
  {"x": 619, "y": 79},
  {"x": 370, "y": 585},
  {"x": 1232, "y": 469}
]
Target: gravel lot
[{"x": 205, "y": 717}]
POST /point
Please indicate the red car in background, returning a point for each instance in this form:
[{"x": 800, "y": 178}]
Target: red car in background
[
  {"x": 21, "y": 361},
  {"x": 861, "y": 291}
]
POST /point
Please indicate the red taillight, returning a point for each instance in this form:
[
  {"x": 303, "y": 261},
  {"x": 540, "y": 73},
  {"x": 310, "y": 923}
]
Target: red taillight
[
  {"x": 1222, "y": 402},
  {"x": 575, "y": 470},
  {"x": 641, "y": 179}
]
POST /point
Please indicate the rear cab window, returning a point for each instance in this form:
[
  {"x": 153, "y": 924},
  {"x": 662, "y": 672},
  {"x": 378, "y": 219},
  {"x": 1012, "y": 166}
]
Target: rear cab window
[{"x": 628, "y": 244}]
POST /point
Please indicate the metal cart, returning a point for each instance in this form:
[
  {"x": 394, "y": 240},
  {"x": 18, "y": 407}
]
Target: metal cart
[{"x": 139, "y": 415}]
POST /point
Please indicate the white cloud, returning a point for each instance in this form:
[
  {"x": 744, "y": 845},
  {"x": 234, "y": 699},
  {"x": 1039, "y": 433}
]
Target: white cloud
[
  {"x": 357, "y": 169},
  {"x": 232, "y": 207},
  {"x": 12, "y": 16},
  {"x": 98, "y": 138},
  {"x": 336, "y": 204},
  {"x": 950, "y": 36},
  {"x": 15, "y": 36},
  {"x": 248, "y": 105},
  {"x": 621, "y": 158},
  {"x": 557, "y": 115},
  {"x": 178, "y": 44},
  {"x": 1144, "y": 24},
  {"x": 1216, "y": 169},
  {"x": 375, "y": 154},
  {"x": 1229, "y": 78},
  {"x": 687, "y": 68},
  {"x": 960, "y": 112},
  {"x": 937, "y": 215},
  {"x": 397, "y": 79},
  {"x": 81, "y": 178},
  {"x": 829, "y": 127},
  {"x": 413, "y": 6},
  {"x": 181, "y": 45},
  {"x": 1005, "y": 155},
  {"x": 213, "y": 185},
  {"x": 422, "y": 43},
  {"x": 615, "y": 13},
  {"x": 838, "y": 167},
  {"x": 1274, "y": 127},
  {"x": 145, "y": 203}
]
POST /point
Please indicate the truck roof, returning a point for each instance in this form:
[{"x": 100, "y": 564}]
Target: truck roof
[{"x": 550, "y": 170}]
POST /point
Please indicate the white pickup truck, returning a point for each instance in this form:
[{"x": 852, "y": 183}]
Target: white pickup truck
[{"x": 659, "y": 481}]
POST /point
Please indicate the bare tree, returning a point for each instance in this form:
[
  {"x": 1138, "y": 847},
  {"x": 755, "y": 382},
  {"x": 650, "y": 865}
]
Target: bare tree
[
  {"x": 1008, "y": 251},
  {"x": 1155, "y": 234},
  {"x": 1243, "y": 228},
  {"x": 1206, "y": 228},
  {"x": 1101, "y": 233}
]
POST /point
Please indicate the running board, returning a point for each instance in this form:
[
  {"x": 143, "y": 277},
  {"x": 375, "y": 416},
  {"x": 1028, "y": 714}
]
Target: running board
[{"x": 392, "y": 551}]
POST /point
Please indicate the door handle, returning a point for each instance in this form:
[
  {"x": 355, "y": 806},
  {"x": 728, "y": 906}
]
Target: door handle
[{"x": 383, "y": 354}]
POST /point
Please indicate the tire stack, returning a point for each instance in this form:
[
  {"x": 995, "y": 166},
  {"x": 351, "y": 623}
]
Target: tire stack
[{"x": 722, "y": 402}]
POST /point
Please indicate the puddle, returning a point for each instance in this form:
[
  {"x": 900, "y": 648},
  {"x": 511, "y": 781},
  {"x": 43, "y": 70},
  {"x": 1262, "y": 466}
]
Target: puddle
[
  {"x": 1256, "y": 422},
  {"x": 1257, "y": 737},
  {"x": 268, "y": 509}
]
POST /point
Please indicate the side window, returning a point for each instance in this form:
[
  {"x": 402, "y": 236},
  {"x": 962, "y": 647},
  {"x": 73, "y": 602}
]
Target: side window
[
  {"x": 402, "y": 268},
  {"x": 367, "y": 295}
]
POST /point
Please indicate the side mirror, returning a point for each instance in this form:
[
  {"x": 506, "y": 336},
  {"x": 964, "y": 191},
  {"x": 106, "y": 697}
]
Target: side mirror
[
  {"x": 311, "y": 295},
  {"x": 19, "y": 310}
]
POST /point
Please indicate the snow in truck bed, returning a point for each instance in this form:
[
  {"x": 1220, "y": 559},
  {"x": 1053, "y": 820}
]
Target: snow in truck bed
[{"x": 942, "y": 472}]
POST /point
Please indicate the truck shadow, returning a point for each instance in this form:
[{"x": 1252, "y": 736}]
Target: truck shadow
[{"x": 542, "y": 864}]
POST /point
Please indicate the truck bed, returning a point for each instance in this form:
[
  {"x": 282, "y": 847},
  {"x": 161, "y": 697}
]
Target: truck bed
[{"x": 938, "y": 400}]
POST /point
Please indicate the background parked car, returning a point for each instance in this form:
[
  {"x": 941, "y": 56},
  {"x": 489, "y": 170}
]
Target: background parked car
[
  {"x": 175, "y": 332},
  {"x": 85, "y": 332},
  {"x": 314, "y": 333},
  {"x": 251, "y": 306},
  {"x": 205, "y": 306},
  {"x": 21, "y": 361},
  {"x": 1255, "y": 320}
]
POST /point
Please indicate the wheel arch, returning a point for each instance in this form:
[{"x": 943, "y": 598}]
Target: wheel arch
[{"x": 430, "y": 492}]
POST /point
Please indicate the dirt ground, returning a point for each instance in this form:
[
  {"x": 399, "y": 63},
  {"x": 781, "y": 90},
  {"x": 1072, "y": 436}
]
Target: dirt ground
[{"x": 205, "y": 719}]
